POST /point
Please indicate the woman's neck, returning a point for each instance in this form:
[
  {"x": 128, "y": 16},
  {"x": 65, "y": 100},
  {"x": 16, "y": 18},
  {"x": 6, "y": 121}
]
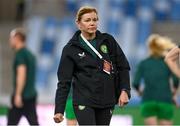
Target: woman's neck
[
  {"x": 19, "y": 46},
  {"x": 89, "y": 36}
]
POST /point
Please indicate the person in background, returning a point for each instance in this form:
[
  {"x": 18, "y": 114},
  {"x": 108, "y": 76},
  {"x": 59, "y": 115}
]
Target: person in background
[
  {"x": 92, "y": 73},
  {"x": 24, "y": 72},
  {"x": 69, "y": 110},
  {"x": 172, "y": 60},
  {"x": 157, "y": 96}
]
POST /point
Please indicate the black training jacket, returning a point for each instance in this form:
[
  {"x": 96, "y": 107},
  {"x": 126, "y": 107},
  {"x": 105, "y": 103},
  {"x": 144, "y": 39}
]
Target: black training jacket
[{"x": 91, "y": 86}]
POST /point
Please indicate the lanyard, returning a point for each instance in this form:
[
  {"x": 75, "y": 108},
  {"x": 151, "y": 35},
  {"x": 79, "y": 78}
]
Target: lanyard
[
  {"x": 107, "y": 66},
  {"x": 93, "y": 49}
]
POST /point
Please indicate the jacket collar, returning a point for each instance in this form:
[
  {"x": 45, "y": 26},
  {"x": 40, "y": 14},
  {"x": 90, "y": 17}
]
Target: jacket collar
[{"x": 75, "y": 39}]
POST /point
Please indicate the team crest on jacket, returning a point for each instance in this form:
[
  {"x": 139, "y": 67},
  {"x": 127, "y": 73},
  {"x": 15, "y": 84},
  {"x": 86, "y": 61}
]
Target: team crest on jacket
[
  {"x": 81, "y": 107},
  {"x": 104, "y": 48}
]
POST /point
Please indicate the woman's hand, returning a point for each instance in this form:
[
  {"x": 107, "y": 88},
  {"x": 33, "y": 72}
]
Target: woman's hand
[
  {"x": 58, "y": 117},
  {"x": 175, "y": 100},
  {"x": 18, "y": 101},
  {"x": 123, "y": 99}
]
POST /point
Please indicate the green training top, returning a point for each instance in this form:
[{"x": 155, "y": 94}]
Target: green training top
[
  {"x": 93, "y": 43},
  {"x": 25, "y": 57},
  {"x": 156, "y": 75}
]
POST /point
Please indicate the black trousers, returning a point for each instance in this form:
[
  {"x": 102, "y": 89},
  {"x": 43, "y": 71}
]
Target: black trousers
[
  {"x": 93, "y": 116},
  {"x": 28, "y": 110}
]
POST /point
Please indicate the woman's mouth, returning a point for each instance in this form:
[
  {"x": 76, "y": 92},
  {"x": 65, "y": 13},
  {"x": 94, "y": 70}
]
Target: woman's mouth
[{"x": 92, "y": 28}]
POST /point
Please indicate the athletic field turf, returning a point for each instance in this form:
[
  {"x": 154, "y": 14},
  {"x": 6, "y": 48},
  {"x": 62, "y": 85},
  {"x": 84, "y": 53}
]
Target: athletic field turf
[
  {"x": 138, "y": 120},
  {"x": 133, "y": 111}
]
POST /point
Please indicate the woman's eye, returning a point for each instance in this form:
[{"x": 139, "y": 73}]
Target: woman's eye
[
  {"x": 94, "y": 19},
  {"x": 87, "y": 20}
]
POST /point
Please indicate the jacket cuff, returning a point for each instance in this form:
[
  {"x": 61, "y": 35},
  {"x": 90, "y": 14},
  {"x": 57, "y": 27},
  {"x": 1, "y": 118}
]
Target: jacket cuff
[{"x": 59, "y": 110}]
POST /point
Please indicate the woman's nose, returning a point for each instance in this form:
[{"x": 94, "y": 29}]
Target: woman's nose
[{"x": 92, "y": 22}]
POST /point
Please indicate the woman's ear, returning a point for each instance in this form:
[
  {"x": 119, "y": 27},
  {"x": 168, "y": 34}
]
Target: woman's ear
[{"x": 77, "y": 24}]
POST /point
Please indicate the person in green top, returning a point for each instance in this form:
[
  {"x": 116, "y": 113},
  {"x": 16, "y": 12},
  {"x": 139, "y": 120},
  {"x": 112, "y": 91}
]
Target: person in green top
[
  {"x": 24, "y": 93},
  {"x": 157, "y": 96},
  {"x": 70, "y": 115}
]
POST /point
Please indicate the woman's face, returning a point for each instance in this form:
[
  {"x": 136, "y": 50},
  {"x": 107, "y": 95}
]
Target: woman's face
[
  {"x": 13, "y": 40},
  {"x": 88, "y": 23}
]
